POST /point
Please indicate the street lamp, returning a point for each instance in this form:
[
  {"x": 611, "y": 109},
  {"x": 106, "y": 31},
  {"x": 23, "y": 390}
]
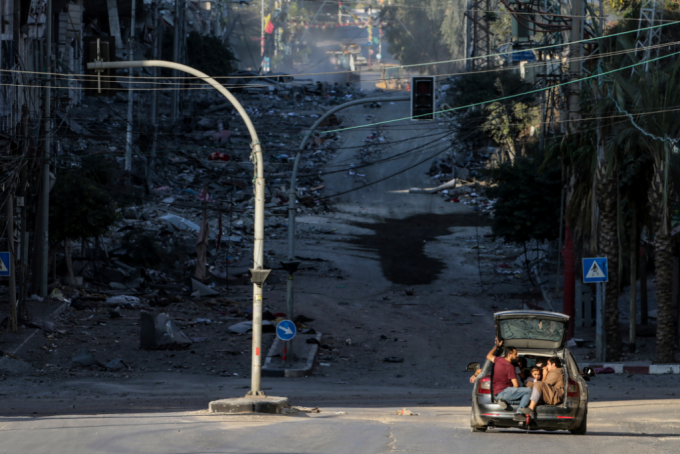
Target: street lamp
[{"x": 259, "y": 274}]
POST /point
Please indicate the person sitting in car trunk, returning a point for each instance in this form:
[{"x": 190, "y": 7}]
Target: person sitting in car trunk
[
  {"x": 550, "y": 391},
  {"x": 504, "y": 382}
]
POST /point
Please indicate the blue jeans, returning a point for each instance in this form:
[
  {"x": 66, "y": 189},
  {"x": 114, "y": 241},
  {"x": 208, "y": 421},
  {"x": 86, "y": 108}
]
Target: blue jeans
[{"x": 515, "y": 396}]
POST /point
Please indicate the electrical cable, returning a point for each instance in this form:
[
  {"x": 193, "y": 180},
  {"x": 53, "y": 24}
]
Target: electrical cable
[
  {"x": 510, "y": 96},
  {"x": 569, "y": 43}
]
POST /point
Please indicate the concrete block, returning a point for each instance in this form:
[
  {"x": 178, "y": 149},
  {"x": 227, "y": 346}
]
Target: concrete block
[
  {"x": 271, "y": 405},
  {"x": 618, "y": 368},
  {"x": 664, "y": 369}
]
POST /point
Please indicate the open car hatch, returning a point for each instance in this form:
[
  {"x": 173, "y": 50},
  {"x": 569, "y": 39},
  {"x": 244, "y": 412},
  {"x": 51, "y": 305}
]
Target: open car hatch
[{"x": 532, "y": 329}]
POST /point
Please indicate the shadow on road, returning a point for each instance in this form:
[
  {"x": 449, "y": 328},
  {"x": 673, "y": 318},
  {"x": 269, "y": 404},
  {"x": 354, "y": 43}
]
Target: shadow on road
[{"x": 400, "y": 244}]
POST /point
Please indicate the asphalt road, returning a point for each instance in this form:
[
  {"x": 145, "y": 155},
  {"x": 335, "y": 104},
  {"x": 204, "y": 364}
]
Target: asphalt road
[
  {"x": 409, "y": 145},
  {"x": 639, "y": 426}
]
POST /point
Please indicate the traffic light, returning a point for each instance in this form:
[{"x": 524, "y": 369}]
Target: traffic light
[
  {"x": 104, "y": 48},
  {"x": 422, "y": 98}
]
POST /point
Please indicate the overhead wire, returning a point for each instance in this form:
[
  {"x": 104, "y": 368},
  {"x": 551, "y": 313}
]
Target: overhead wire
[
  {"x": 173, "y": 85},
  {"x": 465, "y": 59},
  {"x": 513, "y": 96}
]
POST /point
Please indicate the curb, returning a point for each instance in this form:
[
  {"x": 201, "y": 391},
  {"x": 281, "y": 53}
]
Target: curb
[
  {"x": 652, "y": 369},
  {"x": 272, "y": 405},
  {"x": 268, "y": 371}
]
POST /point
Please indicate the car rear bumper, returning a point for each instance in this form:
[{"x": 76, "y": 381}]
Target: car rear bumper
[{"x": 546, "y": 418}]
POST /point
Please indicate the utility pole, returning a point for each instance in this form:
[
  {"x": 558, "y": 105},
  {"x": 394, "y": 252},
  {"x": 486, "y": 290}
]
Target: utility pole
[
  {"x": 131, "y": 92},
  {"x": 601, "y": 293},
  {"x": 154, "y": 93},
  {"x": 339, "y": 13},
  {"x": 269, "y": 42},
  {"x": 291, "y": 265},
  {"x": 651, "y": 12},
  {"x": 174, "y": 103},
  {"x": 478, "y": 35},
  {"x": 575, "y": 64},
  {"x": 12, "y": 262},
  {"x": 45, "y": 193},
  {"x": 632, "y": 330},
  {"x": 261, "y": 32}
]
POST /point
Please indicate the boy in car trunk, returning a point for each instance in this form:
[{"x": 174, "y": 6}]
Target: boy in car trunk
[{"x": 550, "y": 391}]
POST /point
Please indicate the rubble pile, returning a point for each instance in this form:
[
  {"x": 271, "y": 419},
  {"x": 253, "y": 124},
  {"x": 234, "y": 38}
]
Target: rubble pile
[
  {"x": 372, "y": 149},
  {"x": 124, "y": 336},
  {"x": 194, "y": 199},
  {"x": 203, "y": 169}
]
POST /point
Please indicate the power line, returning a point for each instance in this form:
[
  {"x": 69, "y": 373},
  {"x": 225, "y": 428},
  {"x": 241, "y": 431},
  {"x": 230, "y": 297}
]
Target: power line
[
  {"x": 402, "y": 66},
  {"x": 511, "y": 96}
]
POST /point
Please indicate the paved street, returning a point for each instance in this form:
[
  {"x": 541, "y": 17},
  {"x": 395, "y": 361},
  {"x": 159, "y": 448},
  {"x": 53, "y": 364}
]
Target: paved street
[{"x": 636, "y": 426}]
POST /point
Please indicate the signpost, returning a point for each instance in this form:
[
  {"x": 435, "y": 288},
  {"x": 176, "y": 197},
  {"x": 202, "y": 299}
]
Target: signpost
[
  {"x": 286, "y": 330},
  {"x": 5, "y": 267},
  {"x": 595, "y": 271}
]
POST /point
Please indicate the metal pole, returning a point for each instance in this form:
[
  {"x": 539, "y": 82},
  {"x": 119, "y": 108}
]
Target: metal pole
[
  {"x": 632, "y": 333},
  {"x": 289, "y": 314},
  {"x": 12, "y": 262},
  {"x": 256, "y": 157},
  {"x": 131, "y": 92},
  {"x": 174, "y": 101},
  {"x": 45, "y": 245},
  {"x": 154, "y": 93},
  {"x": 261, "y": 33},
  {"x": 575, "y": 65},
  {"x": 293, "y": 177},
  {"x": 292, "y": 191},
  {"x": 600, "y": 334}
]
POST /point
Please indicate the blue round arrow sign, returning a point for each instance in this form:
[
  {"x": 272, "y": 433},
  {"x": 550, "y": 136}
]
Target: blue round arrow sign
[{"x": 286, "y": 330}]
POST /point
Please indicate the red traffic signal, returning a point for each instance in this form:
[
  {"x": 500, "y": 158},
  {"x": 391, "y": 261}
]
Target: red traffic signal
[{"x": 422, "y": 98}]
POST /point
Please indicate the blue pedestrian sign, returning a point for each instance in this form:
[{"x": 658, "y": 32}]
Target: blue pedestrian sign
[
  {"x": 286, "y": 330},
  {"x": 595, "y": 270},
  {"x": 5, "y": 269}
]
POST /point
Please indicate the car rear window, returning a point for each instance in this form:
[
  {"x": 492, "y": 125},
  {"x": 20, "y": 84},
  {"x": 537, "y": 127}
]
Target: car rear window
[{"x": 534, "y": 328}]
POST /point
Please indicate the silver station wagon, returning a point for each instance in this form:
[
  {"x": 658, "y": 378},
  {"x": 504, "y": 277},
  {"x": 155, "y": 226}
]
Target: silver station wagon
[{"x": 537, "y": 336}]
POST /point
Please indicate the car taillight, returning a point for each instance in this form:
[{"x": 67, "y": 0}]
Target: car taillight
[
  {"x": 572, "y": 389},
  {"x": 484, "y": 386}
]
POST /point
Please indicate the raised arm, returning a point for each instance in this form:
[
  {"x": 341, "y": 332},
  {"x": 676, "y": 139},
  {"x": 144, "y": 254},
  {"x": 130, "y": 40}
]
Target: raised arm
[{"x": 490, "y": 356}]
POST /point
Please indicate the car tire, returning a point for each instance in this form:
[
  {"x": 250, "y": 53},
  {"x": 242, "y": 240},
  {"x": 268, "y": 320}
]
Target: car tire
[
  {"x": 583, "y": 428},
  {"x": 478, "y": 429}
]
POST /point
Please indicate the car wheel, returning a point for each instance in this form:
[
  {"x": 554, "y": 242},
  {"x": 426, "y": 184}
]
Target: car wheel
[
  {"x": 583, "y": 428},
  {"x": 478, "y": 429}
]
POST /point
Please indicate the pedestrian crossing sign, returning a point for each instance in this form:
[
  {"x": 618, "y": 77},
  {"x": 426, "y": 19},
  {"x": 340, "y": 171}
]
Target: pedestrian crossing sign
[
  {"x": 595, "y": 270},
  {"x": 5, "y": 269}
]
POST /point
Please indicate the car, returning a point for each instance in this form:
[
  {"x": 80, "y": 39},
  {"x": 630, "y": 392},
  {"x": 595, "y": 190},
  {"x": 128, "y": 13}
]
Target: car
[{"x": 537, "y": 335}]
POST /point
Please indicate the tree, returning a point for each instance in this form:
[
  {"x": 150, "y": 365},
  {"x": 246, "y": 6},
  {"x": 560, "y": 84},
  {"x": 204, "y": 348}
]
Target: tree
[
  {"x": 80, "y": 206},
  {"x": 425, "y": 31},
  {"x": 636, "y": 133},
  {"x": 528, "y": 200},
  {"x": 645, "y": 99},
  {"x": 502, "y": 121},
  {"x": 207, "y": 53}
]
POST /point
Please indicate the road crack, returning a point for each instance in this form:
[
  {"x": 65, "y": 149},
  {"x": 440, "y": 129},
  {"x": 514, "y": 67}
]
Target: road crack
[{"x": 393, "y": 443}]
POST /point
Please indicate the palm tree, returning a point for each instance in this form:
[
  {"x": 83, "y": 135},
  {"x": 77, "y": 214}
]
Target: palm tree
[{"x": 644, "y": 99}]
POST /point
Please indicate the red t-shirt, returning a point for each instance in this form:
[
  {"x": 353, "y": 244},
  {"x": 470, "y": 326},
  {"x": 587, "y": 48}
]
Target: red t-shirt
[{"x": 503, "y": 373}]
